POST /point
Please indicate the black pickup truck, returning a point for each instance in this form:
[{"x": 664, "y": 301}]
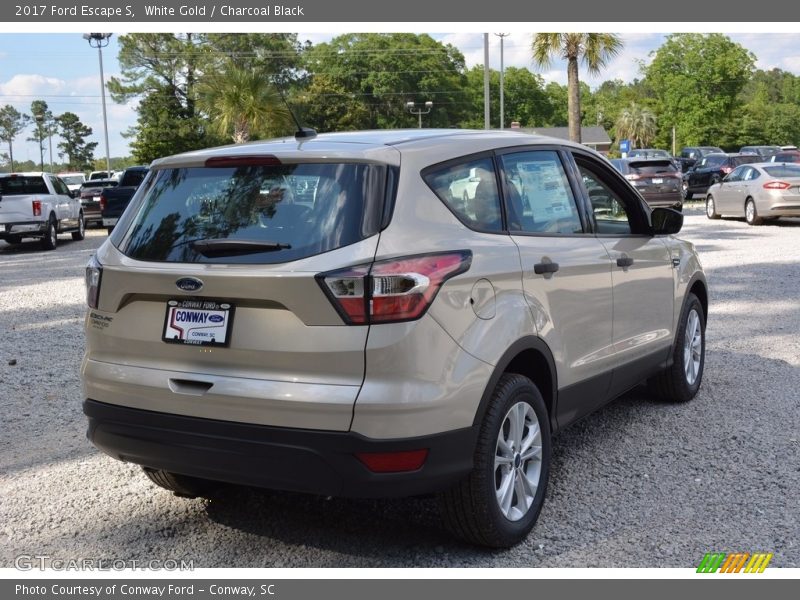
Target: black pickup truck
[{"x": 114, "y": 200}]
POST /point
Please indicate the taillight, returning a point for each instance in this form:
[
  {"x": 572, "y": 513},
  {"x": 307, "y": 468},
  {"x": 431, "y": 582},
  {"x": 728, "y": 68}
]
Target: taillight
[
  {"x": 777, "y": 185},
  {"x": 37, "y": 208},
  {"x": 726, "y": 170},
  {"x": 103, "y": 202},
  {"x": 94, "y": 273},
  {"x": 389, "y": 291}
]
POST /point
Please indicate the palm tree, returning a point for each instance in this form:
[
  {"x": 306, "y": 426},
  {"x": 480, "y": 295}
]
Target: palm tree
[
  {"x": 243, "y": 104},
  {"x": 638, "y": 125},
  {"x": 595, "y": 49}
]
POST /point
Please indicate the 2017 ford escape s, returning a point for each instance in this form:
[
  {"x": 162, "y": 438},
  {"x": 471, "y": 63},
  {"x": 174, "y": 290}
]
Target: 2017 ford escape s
[{"x": 326, "y": 315}]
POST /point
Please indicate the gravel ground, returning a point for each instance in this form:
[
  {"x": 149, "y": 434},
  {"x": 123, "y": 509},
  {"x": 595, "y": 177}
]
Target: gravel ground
[{"x": 639, "y": 483}]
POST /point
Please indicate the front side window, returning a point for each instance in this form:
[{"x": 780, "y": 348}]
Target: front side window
[
  {"x": 470, "y": 190},
  {"x": 253, "y": 214},
  {"x": 539, "y": 197}
]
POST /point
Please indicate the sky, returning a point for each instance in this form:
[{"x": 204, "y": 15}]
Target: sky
[{"x": 62, "y": 70}]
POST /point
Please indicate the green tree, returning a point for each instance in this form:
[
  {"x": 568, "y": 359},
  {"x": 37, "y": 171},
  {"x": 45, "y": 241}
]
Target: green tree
[
  {"x": 161, "y": 70},
  {"x": 638, "y": 125},
  {"x": 276, "y": 56},
  {"x": 12, "y": 122},
  {"x": 524, "y": 98},
  {"x": 697, "y": 79},
  {"x": 42, "y": 119},
  {"x": 80, "y": 153},
  {"x": 242, "y": 104},
  {"x": 594, "y": 49},
  {"x": 383, "y": 71}
]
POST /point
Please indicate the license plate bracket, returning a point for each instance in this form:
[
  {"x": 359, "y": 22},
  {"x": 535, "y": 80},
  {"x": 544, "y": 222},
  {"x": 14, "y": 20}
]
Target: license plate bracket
[{"x": 198, "y": 322}]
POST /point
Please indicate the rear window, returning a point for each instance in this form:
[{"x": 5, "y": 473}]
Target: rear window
[
  {"x": 300, "y": 210},
  {"x": 18, "y": 186},
  {"x": 652, "y": 167},
  {"x": 783, "y": 171},
  {"x": 743, "y": 160},
  {"x": 133, "y": 178},
  {"x": 72, "y": 179}
]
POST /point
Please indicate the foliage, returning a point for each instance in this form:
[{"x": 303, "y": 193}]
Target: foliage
[
  {"x": 242, "y": 104},
  {"x": 697, "y": 79},
  {"x": 42, "y": 119},
  {"x": 12, "y": 122},
  {"x": 593, "y": 49},
  {"x": 638, "y": 125},
  {"x": 524, "y": 98},
  {"x": 379, "y": 73},
  {"x": 73, "y": 133}
]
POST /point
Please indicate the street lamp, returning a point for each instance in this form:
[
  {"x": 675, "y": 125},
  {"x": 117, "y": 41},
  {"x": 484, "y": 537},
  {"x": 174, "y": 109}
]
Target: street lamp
[
  {"x": 99, "y": 41},
  {"x": 501, "y": 36},
  {"x": 411, "y": 106}
]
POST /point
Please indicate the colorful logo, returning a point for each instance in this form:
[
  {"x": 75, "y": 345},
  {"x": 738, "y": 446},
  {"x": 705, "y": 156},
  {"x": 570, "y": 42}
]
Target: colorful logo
[{"x": 734, "y": 563}]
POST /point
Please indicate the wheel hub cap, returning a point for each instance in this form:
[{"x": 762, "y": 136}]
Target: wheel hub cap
[
  {"x": 692, "y": 347},
  {"x": 518, "y": 461}
]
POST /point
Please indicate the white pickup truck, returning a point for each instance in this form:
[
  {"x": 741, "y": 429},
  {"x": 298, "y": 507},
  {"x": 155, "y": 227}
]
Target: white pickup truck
[{"x": 38, "y": 205}]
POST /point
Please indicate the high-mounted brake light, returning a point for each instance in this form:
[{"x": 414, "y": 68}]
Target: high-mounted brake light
[
  {"x": 389, "y": 291},
  {"x": 37, "y": 208},
  {"x": 777, "y": 185},
  {"x": 243, "y": 161}
]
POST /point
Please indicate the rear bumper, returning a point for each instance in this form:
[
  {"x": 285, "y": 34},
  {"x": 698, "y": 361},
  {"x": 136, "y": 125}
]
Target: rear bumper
[
  {"x": 664, "y": 199},
  {"x": 300, "y": 460},
  {"x": 23, "y": 228}
]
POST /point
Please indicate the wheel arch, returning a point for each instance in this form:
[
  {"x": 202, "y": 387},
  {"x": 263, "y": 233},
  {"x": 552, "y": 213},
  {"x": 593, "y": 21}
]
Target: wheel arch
[{"x": 529, "y": 356}]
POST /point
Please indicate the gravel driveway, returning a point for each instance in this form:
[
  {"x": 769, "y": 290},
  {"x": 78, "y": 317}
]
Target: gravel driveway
[{"x": 639, "y": 483}]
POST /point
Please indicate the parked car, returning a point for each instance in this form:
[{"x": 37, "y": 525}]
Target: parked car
[
  {"x": 786, "y": 156},
  {"x": 762, "y": 151},
  {"x": 691, "y": 154},
  {"x": 38, "y": 205},
  {"x": 710, "y": 170},
  {"x": 114, "y": 201},
  {"x": 790, "y": 147},
  {"x": 758, "y": 192},
  {"x": 101, "y": 175},
  {"x": 381, "y": 338},
  {"x": 73, "y": 181},
  {"x": 658, "y": 180},
  {"x": 90, "y": 193}
]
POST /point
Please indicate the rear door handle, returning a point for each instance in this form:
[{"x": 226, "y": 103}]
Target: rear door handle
[
  {"x": 542, "y": 268},
  {"x": 624, "y": 261}
]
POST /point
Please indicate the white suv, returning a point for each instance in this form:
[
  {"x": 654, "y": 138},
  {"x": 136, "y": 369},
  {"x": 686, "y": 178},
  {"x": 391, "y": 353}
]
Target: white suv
[{"x": 324, "y": 315}]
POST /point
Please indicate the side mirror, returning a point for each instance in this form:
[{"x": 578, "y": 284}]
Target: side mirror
[{"x": 666, "y": 221}]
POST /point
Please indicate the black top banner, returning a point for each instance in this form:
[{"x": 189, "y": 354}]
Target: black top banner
[{"x": 365, "y": 11}]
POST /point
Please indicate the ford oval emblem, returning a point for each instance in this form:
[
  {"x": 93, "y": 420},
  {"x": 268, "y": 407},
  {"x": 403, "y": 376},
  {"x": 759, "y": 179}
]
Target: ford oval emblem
[
  {"x": 216, "y": 318},
  {"x": 189, "y": 284}
]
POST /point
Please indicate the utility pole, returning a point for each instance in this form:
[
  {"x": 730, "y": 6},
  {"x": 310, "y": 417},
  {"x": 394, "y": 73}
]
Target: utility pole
[
  {"x": 502, "y": 108},
  {"x": 99, "y": 41},
  {"x": 486, "y": 81}
]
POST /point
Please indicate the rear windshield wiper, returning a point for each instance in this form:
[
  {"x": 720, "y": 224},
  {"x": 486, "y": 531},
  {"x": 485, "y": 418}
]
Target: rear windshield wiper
[{"x": 223, "y": 247}]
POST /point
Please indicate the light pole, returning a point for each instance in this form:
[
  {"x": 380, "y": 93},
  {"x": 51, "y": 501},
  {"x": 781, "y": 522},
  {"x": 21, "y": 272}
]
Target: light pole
[
  {"x": 99, "y": 41},
  {"x": 501, "y": 36},
  {"x": 411, "y": 106}
]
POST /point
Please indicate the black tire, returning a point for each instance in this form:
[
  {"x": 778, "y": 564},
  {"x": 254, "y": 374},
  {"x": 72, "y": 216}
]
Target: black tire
[
  {"x": 711, "y": 208},
  {"x": 752, "y": 218},
  {"x": 50, "y": 239},
  {"x": 81, "y": 233},
  {"x": 109, "y": 230},
  {"x": 181, "y": 485},
  {"x": 673, "y": 383},
  {"x": 470, "y": 510}
]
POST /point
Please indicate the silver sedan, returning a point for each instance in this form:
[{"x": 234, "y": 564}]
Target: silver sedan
[{"x": 758, "y": 192}]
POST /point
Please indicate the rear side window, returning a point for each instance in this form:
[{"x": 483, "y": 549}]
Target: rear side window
[
  {"x": 11, "y": 186},
  {"x": 469, "y": 189},
  {"x": 270, "y": 214}
]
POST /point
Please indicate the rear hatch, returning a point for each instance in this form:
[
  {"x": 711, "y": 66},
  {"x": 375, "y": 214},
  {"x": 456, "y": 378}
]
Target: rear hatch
[
  {"x": 654, "y": 176},
  {"x": 209, "y": 294}
]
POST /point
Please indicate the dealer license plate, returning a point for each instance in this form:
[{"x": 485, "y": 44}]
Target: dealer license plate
[
  {"x": 658, "y": 180},
  {"x": 198, "y": 322}
]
